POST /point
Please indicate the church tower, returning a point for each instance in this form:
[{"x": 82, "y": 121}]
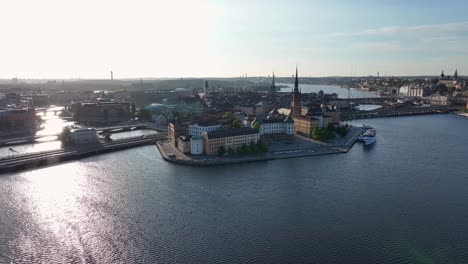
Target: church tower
[
  {"x": 206, "y": 88},
  {"x": 296, "y": 98},
  {"x": 273, "y": 85},
  {"x": 455, "y": 75}
]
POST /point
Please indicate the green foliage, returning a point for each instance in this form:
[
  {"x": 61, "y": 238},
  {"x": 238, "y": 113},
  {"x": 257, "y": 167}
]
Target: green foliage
[
  {"x": 235, "y": 124},
  {"x": 256, "y": 126},
  {"x": 64, "y": 136},
  {"x": 231, "y": 151},
  {"x": 221, "y": 151},
  {"x": 107, "y": 137},
  {"x": 323, "y": 134},
  {"x": 261, "y": 146},
  {"x": 229, "y": 115}
]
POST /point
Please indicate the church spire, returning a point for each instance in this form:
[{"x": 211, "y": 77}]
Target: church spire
[
  {"x": 455, "y": 75},
  {"x": 296, "y": 83},
  {"x": 273, "y": 81}
]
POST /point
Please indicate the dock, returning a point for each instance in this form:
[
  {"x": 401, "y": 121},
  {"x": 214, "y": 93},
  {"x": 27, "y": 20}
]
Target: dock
[{"x": 351, "y": 115}]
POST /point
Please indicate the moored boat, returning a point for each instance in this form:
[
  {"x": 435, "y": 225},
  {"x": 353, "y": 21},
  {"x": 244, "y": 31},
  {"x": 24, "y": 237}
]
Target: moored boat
[{"x": 368, "y": 137}]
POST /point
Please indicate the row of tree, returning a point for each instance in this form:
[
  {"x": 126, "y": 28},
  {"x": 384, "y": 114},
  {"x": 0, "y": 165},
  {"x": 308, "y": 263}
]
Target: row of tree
[
  {"x": 252, "y": 148},
  {"x": 328, "y": 133}
]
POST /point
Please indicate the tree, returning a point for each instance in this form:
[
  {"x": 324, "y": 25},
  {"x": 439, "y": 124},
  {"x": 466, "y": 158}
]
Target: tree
[
  {"x": 64, "y": 136},
  {"x": 235, "y": 124},
  {"x": 256, "y": 126},
  {"x": 261, "y": 146},
  {"x": 221, "y": 151},
  {"x": 231, "y": 151},
  {"x": 229, "y": 115},
  {"x": 107, "y": 137}
]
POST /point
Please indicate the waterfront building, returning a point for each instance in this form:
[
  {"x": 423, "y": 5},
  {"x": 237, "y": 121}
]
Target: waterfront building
[
  {"x": 101, "y": 111},
  {"x": 174, "y": 131},
  {"x": 324, "y": 120},
  {"x": 296, "y": 98},
  {"x": 304, "y": 125},
  {"x": 417, "y": 91},
  {"x": 83, "y": 136},
  {"x": 196, "y": 129},
  {"x": 438, "y": 99},
  {"x": 270, "y": 126},
  {"x": 233, "y": 138},
  {"x": 196, "y": 145},
  {"x": 17, "y": 121},
  {"x": 183, "y": 144}
]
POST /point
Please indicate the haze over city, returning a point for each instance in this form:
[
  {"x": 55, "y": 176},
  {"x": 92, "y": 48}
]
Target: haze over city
[{"x": 139, "y": 39}]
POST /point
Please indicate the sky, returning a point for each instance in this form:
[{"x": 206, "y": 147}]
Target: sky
[{"x": 224, "y": 38}]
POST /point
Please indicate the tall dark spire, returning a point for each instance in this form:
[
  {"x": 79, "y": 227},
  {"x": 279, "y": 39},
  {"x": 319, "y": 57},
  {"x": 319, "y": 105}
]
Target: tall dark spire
[
  {"x": 296, "y": 83},
  {"x": 273, "y": 81},
  {"x": 455, "y": 75},
  {"x": 273, "y": 85}
]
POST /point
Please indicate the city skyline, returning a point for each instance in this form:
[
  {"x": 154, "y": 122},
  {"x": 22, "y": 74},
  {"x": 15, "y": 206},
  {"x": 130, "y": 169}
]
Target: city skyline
[{"x": 52, "y": 39}]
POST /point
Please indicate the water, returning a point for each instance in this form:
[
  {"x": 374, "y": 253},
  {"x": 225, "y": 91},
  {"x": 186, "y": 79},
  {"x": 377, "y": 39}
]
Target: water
[
  {"x": 328, "y": 89},
  {"x": 52, "y": 126},
  {"x": 403, "y": 200}
]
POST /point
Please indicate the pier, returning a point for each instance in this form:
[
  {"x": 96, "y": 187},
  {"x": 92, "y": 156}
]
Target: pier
[
  {"x": 18, "y": 162},
  {"x": 397, "y": 112}
]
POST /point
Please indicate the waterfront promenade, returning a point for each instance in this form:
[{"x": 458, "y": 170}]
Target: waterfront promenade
[{"x": 298, "y": 147}]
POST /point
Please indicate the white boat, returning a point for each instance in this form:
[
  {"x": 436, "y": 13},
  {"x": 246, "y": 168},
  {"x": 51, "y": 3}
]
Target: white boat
[{"x": 368, "y": 137}]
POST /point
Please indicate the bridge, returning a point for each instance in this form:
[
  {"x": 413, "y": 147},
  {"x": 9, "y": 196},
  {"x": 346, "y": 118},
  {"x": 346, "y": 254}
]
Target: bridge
[
  {"x": 54, "y": 156},
  {"x": 397, "y": 112}
]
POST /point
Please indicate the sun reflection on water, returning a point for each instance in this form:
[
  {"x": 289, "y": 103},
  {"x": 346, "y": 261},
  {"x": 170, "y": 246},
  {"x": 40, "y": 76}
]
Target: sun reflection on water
[{"x": 55, "y": 193}]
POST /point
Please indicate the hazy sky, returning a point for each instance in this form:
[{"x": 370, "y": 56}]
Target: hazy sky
[{"x": 170, "y": 38}]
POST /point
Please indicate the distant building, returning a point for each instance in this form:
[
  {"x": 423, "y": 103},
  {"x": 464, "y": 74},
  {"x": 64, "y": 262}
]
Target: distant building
[
  {"x": 196, "y": 129},
  {"x": 83, "y": 136},
  {"x": 196, "y": 145},
  {"x": 437, "y": 99},
  {"x": 296, "y": 98},
  {"x": 101, "y": 111},
  {"x": 174, "y": 131},
  {"x": 233, "y": 138},
  {"x": 417, "y": 91},
  {"x": 274, "y": 126},
  {"x": 17, "y": 121},
  {"x": 273, "y": 85},
  {"x": 183, "y": 144},
  {"x": 305, "y": 124}
]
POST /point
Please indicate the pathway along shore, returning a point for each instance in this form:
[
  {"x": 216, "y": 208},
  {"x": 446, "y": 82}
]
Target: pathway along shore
[{"x": 167, "y": 150}]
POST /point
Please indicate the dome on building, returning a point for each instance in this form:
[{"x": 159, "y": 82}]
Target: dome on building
[
  {"x": 156, "y": 108},
  {"x": 160, "y": 120}
]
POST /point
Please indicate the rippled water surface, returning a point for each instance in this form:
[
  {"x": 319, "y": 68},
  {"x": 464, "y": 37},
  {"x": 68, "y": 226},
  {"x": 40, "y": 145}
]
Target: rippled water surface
[{"x": 403, "y": 200}]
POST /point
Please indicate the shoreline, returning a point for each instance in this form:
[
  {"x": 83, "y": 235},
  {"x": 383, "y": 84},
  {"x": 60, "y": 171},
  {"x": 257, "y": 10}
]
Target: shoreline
[{"x": 165, "y": 149}]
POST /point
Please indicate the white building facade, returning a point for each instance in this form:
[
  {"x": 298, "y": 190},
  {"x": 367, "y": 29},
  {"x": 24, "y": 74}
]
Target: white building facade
[
  {"x": 197, "y": 129},
  {"x": 83, "y": 136},
  {"x": 274, "y": 126},
  {"x": 196, "y": 145}
]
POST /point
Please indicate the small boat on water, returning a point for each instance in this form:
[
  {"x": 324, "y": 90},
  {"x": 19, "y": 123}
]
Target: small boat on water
[{"x": 368, "y": 137}]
